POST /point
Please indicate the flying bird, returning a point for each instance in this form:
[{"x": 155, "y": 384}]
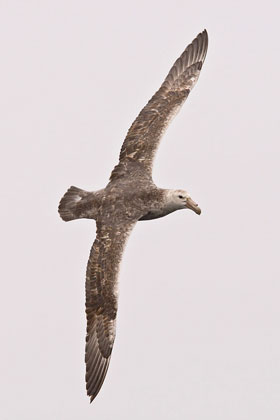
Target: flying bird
[{"x": 130, "y": 196}]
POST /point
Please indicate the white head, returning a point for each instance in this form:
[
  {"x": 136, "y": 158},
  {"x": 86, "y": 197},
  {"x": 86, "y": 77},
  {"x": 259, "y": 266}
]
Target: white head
[{"x": 180, "y": 199}]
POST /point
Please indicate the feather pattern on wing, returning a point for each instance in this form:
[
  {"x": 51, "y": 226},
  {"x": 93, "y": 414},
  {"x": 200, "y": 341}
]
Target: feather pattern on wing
[
  {"x": 101, "y": 301},
  {"x": 143, "y": 137}
]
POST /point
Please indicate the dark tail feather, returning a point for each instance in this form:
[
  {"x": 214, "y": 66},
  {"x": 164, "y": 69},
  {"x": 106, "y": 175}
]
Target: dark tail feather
[{"x": 68, "y": 204}]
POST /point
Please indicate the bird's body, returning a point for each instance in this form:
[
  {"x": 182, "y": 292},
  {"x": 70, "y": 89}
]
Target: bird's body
[{"x": 130, "y": 196}]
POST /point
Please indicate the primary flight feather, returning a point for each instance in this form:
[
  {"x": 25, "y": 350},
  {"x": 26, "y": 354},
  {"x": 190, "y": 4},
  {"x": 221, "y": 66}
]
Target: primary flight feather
[{"x": 130, "y": 196}]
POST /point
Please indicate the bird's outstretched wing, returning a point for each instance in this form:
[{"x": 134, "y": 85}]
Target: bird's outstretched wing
[
  {"x": 101, "y": 301},
  {"x": 139, "y": 147}
]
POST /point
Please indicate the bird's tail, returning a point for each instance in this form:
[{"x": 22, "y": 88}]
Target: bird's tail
[{"x": 69, "y": 204}]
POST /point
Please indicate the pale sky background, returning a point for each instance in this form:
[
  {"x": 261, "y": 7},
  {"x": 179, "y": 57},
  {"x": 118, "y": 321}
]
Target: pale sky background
[{"x": 198, "y": 323}]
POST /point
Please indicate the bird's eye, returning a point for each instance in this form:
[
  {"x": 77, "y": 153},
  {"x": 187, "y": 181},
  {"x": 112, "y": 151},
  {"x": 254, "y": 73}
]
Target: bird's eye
[{"x": 180, "y": 196}]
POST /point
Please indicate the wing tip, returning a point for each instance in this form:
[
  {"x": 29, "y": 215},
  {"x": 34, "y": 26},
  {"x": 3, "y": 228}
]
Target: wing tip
[
  {"x": 94, "y": 385},
  {"x": 96, "y": 363},
  {"x": 193, "y": 55},
  {"x": 203, "y": 39},
  {"x": 203, "y": 33}
]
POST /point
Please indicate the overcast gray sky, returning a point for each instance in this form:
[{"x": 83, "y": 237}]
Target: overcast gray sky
[{"x": 198, "y": 322}]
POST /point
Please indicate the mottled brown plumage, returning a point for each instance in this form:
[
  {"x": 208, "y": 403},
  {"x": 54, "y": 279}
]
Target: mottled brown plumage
[{"x": 130, "y": 196}]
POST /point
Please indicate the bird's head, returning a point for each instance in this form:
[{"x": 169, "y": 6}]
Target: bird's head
[{"x": 180, "y": 199}]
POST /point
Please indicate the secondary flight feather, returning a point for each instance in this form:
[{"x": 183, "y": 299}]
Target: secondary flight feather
[{"x": 130, "y": 196}]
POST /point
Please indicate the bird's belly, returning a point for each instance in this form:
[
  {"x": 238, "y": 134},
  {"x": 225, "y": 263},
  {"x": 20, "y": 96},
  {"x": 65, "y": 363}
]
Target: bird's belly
[{"x": 155, "y": 214}]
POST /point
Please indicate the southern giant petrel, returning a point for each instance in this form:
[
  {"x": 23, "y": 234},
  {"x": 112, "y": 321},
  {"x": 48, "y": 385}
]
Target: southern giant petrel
[{"x": 130, "y": 195}]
